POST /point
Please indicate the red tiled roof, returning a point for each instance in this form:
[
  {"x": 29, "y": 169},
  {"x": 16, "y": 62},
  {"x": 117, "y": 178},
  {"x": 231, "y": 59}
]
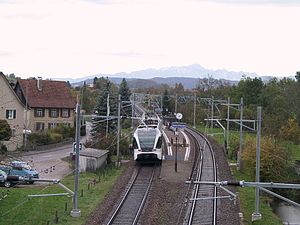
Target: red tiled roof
[{"x": 53, "y": 94}]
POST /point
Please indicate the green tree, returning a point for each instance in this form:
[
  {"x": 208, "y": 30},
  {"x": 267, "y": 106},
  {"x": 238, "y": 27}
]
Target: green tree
[
  {"x": 5, "y": 134},
  {"x": 274, "y": 158},
  {"x": 106, "y": 105},
  {"x": 250, "y": 89},
  {"x": 297, "y": 76},
  {"x": 87, "y": 99},
  {"x": 125, "y": 93},
  {"x": 290, "y": 131},
  {"x": 5, "y": 131},
  {"x": 166, "y": 103}
]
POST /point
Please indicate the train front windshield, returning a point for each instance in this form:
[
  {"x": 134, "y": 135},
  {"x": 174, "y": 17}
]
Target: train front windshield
[{"x": 147, "y": 138}]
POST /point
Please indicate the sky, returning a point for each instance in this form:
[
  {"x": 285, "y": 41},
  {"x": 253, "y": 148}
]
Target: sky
[{"x": 76, "y": 38}]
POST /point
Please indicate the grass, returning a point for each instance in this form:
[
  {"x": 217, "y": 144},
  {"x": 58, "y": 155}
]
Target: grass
[
  {"x": 18, "y": 209},
  {"x": 247, "y": 202}
]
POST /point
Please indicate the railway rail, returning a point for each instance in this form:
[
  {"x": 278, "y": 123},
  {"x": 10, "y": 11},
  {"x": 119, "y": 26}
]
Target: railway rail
[
  {"x": 203, "y": 202},
  {"x": 131, "y": 205}
]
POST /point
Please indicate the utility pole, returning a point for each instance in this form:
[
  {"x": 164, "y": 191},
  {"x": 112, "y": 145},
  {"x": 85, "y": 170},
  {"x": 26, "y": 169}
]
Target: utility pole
[
  {"x": 212, "y": 114},
  {"x": 176, "y": 146},
  {"x": 132, "y": 110},
  {"x": 195, "y": 104},
  {"x": 75, "y": 211},
  {"x": 241, "y": 136},
  {"x": 108, "y": 112},
  {"x": 227, "y": 130},
  {"x": 26, "y": 120},
  {"x": 175, "y": 104},
  {"x": 161, "y": 103},
  {"x": 118, "y": 130},
  {"x": 257, "y": 215}
]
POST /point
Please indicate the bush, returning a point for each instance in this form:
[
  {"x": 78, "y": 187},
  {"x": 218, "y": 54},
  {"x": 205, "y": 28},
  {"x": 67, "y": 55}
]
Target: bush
[
  {"x": 3, "y": 149},
  {"x": 51, "y": 136},
  {"x": 273, "y": 163}
]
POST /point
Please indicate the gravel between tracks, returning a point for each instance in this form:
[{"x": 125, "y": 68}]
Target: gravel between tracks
[
  {"x": 228, "y": 215},
  {"x": 168, "y": 194}
]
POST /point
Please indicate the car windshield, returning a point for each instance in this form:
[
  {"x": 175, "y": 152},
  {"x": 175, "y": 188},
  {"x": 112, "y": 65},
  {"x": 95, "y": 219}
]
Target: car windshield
[{"x": 24, "y": 165}]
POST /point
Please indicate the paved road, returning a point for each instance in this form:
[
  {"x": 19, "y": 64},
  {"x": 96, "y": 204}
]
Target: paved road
[{"x": 49, "y": 163}]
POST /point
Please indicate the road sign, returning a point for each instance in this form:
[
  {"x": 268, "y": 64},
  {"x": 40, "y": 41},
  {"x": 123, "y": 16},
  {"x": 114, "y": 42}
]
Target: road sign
[
  {"x": 179, "y": 116},
  {"x": 178, "y": 125},
  {"x": 74, "y": 147}
]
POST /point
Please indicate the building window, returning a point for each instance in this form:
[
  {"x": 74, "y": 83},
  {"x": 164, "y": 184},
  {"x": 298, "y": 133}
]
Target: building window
[
  {"x": 66, "y": 124},
  {"x": 52, "y": 125},
  {"x": 39, "y": 112},
  {"x": 11, "y": 114},
  {"x": 53, "y": 113},
  {"x": 40, "y": 126},
  {"x": 65, "y": 113}
]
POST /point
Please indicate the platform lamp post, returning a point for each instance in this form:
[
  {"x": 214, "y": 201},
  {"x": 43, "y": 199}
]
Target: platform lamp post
[
  {"x": 176, "y": 146},
  {"x": 178, "y": 117}
]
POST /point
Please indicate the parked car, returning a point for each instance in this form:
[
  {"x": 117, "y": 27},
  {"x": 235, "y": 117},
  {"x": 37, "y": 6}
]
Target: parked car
[
  {"x": 26, "y": 173},
  {"x": 7, "y": 181}
]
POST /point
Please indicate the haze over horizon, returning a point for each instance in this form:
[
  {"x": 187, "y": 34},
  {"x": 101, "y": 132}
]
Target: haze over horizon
[{"x": 77, "y": 38}]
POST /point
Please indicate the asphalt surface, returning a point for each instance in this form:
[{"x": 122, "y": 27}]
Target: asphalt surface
[{"x": 49, "y": 163}]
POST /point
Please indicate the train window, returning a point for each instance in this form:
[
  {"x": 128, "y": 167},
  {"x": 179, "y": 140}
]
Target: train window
[
  {"x": 135, "y": 146},
  {"x": 159, "y": 143},
  {"x": 147, "y": 138}
]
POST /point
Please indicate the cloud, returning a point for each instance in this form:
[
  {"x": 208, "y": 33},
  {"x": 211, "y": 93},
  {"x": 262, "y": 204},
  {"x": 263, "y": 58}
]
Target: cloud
[
  {"x": 132, "y": 54},
  {"x": 258, "y": 2},
  {"x": 25, "y": 16},
  {"x": 5, "y": 53}
]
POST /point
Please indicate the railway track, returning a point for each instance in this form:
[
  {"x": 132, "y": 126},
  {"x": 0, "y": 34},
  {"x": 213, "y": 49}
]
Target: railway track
[
  {"x": 131, "y": 205},
  {"x": 203, "y": 202}
]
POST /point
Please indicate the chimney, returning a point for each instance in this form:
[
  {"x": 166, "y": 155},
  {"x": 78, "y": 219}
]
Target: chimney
[{"x": 39, "y": 83}]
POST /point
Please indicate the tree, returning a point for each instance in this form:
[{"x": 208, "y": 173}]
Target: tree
[
  {"x": 106, "y": 105},
  {"x": 166, "y": 103},
  {"x": 125, "y": 95},
  {"x": 274, "y": 158},
  {"x": 178, "y": 88},
  {"x": 5, "y": 134},
  {"x": 5, "y": 131},
  {"x": 290, "y": 131},
  {"x": 297, "y": 76},
  {"x": 250, "y": 89},
  {"x": 95, "y": 80}
]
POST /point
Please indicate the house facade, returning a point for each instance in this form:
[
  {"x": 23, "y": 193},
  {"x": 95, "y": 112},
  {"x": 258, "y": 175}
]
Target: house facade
[
  {"x": 50, "y": 103},
  {"x": 13, "y": 111}
]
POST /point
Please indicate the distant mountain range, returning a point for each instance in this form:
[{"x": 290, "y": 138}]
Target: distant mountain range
[{"x": 187, "y": 75}]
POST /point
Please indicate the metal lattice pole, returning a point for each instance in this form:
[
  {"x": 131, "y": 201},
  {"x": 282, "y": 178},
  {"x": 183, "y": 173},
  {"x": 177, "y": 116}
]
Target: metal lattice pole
[
  {"x": 241, "y": 135},
  {"x": 75, "y": 211},
  {"x": 118, "y": 130},
  {"x": 256, "y": 215}
]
